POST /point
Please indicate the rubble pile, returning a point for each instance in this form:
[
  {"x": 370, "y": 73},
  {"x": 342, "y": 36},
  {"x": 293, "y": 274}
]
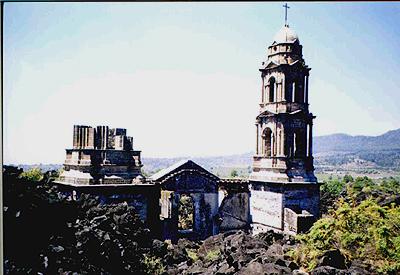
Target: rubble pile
[{"x": 240, "y": 253}]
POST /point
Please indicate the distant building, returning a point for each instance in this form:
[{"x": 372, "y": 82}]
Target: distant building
[{"x": 101, "y": 156}]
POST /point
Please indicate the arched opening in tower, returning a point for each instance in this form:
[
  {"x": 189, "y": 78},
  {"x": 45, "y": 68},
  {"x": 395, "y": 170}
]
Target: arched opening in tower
[
  {"x": 300, "y": 142},
  {"x": 185, "y": 212},
  {"x": 299, "y": 95},
  {"x": 267, "y": 142},
  {"x": 271, "y": 89}
]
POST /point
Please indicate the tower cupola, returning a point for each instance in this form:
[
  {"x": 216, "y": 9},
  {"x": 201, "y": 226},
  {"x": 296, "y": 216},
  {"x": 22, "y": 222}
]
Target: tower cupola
[{"x": 285, "y": 35}]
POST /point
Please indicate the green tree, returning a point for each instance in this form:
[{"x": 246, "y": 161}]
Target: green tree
[{"x": 34, "y": 174}]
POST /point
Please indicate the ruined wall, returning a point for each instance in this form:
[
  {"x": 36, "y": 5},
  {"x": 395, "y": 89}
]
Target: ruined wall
[
  {"x": 300, "y": 197},
  {"x": 192, "y": 180},
  {"x": 289, "y": 207},
  {"x": 205, "y": 208},
  {"x": 266, "y": 206},
  {"x": 234, "y": 204},
  {"x": 234, "y": 211},
  {"x": 297, "y": 222}
]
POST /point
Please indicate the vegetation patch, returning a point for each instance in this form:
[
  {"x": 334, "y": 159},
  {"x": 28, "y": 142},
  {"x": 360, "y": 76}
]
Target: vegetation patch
[
  {"x": 153, "y": 265},
  {"x": 363, "y": 225},
  {"x": 212, "y": 255},
  {"x": 192, "y": 254}
]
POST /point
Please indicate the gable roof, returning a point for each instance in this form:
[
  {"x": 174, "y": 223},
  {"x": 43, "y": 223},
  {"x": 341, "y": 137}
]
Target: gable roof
[{"x": 180, "y": 165}]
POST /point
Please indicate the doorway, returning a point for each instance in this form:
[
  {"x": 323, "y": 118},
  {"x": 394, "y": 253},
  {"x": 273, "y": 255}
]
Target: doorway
[{"x": 185, "y": 213}]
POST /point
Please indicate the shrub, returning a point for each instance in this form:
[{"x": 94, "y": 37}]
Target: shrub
[
  {"x": 153, "y": 265},
  {"x": 212, "y": 255},
  {"x": 34, "y": 174},
  {"x": 367, "y": 232},
  {"x": 192, "y": 254}
]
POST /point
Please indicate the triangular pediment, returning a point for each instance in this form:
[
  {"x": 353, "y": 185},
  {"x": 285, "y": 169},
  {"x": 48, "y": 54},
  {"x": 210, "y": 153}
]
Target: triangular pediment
[
  {"x": 266, "y": 113},
  {"x": 271, "y": 64},
  {"x": 186, "y": 175}
]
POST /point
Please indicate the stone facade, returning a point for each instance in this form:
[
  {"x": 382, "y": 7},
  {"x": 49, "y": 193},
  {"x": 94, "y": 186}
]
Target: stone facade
[
  {"x": 101, "y": 156},
  {"x": 188, "y": 178},
  {"x": 284, "y": 192}
]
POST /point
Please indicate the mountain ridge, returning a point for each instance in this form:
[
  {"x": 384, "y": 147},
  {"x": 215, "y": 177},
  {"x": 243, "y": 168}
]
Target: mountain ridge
[{"x": 332, "y": 150}]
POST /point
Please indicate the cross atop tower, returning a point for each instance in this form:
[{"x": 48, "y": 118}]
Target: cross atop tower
[{"x": 286, "y": 8}]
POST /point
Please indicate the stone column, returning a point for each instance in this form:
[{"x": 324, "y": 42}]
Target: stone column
[
  {"x": 272, "y": 143},
  {"x": 84, "y": 137},
  {"x": 275, "y": 140},
  {"x": 262, "y": 142},
  {"x": 262, "y": 89},
  {"x": 80, "y": 137},
  {"x": 257, "y": 139},
  {"x": 310, "y": 140},
  {"x": 76, "y": 136},
  {"x": 306, "y": 90}
]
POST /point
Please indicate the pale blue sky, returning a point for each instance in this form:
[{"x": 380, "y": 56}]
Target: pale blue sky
[{"x": 183, "y": 77}]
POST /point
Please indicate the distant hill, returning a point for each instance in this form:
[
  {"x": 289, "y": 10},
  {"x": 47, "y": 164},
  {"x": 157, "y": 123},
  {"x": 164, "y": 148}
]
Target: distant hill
[
  {"x": 347, "y": 143},
  {"x": 337, "y": 150},
  {"x": 348, "y": 151}
]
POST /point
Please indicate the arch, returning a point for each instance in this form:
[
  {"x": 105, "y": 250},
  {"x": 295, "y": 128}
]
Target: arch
[
  {"x": 271, "y": 89},
  {"x": 267, "y": 142}
]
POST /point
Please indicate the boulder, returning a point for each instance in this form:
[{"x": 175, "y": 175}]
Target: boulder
[
  {"x": 256, "y": 268},
  {"x": 225, "y": 269},
  {"x": 333, "y": 258},
  {"x": 299, "y": 272},
  {"x": 275, "y": 250},
  {"x": 159, "y": 248},
  {"x": 328, "y": 270},
  {"x": 293, "y": 266}
]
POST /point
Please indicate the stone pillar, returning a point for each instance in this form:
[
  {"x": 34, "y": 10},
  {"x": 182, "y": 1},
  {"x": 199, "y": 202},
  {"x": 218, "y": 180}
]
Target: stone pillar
[
  {"x": 262, "y": 142},
  {"x": 306, "y": 90},
  {"x": 262, "y": 89},
  {"x": 275, "y": 141},
  {"x": 84, "y": 137},
  {"x": 310, "y": 140},
  {"x": 76, "y": 136},
  {"x": 272, "y": 143},
  {"x": 257, "y": 139},
  {"x": 90, "y": 144},
  {"x": 80, "y": 138}
]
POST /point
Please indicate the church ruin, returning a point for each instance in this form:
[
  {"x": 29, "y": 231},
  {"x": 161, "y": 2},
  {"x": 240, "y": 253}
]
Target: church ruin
[
  {"x": 101, "y": 156},
  {"x": 283, "y": 170},
  {"x": 282, "y": 192}
]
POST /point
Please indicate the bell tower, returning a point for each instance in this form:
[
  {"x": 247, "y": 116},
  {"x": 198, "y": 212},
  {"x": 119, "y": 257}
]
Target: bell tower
[
  {"x": 284, "y": 124},
  {"x": 284, "y": 192}
]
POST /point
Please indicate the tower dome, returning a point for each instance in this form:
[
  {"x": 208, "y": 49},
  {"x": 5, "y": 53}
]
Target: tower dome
[{"x": 285, "y": 35}]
